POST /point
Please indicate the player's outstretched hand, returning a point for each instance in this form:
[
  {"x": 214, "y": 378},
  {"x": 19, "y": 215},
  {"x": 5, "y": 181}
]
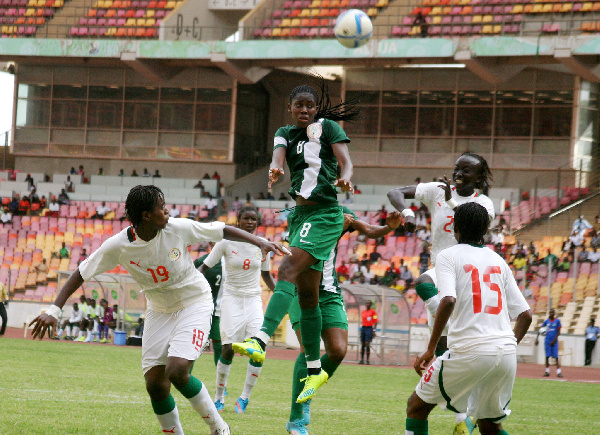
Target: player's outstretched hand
[
  {"x": 345, "y": 185},
  {"x": 42, "y": 323},
  {"x": 394, "y": 220},
  {"x": 274, "y": 174},
  {"x": 446, "y": 187},
  {"x": 276, "y": 248},
  {"x": 423, "y": 361},
  {"x": 410, "y": 224},
  {"x": 348, "y": 220}
]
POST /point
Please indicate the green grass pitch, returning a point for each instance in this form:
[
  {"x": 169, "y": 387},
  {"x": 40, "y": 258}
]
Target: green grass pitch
[{"x": 73, "y": 388}]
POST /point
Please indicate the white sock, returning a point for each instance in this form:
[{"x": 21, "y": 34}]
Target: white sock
[
  {"x": 316, "y": 364},
  {"x": 460, "y": 417},
  {"x": 263, "y": 336},
  {"x": 222, "y": 375},
  {"x": 80, "y": 333},
  {"x": 75, "y": 331},
  {"x": 89, "y": 334},
  {"x": 547, "y": 369},
  {"x": 251, "y": 377},
  {"x": 409, "y": 432},
  {"x": 558, "y": 371},
  {"x": 204, "y": 406},
  {"x": 60, "y": 332},
  {"x": 169, "y": 422}
]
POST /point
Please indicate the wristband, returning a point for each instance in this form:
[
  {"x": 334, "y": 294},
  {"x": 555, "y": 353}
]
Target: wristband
[
  {"x": 53, "y": 311},
  {"x": 407, "y": 212},
  {"x": 452, "y": 203}
]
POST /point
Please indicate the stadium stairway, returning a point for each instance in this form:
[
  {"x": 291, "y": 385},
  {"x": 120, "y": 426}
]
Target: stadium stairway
[{"x": 59, "y": 26}]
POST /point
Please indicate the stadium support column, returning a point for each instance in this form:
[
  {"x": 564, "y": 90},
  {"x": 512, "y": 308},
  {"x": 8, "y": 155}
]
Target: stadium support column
[
  {"x": 244, "y": 76},
  {"x": 492, "y": 71},
  {"x": 151, "y": 69}
]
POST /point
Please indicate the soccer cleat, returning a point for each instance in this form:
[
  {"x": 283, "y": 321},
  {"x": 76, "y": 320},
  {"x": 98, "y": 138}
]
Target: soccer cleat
[
  {"x": 559, "y": 375},
  {"x": 250, "y": 348},
  {"x": 312, "y": 384},
  {"x": 104, "y": 340},
  {"x": 80, "y": 339},
  {"x": 296, "y": 427},
  {"x": 240, "y": 405},
  {"x": 306, "y": 412},
  {"x": 225, "y": 393},
  {"x": 464, "y": 428},
  {"x": 221, "y": 430},
  {"x": 368, "y": 363},
  {"x": 546, "y": 375},
  {"x": 361, "y": 361},
  {"x": 220, "y": 405}
]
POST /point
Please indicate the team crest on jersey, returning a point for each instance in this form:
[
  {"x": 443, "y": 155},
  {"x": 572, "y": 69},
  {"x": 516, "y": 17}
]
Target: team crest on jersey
[
  {"x": 314, "y": 131},
  {"x": 174, "y": 254}
]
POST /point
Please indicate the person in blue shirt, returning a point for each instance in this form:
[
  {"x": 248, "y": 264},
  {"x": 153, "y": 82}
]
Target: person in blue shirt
[
  {"x": 553, "y": 326},
  {"x": 591, "y": 336}
]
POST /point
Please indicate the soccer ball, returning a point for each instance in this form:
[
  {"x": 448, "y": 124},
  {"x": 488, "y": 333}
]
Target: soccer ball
[
  {"x": 543, "y": 330},
  {"x": 353, "y": 28}
]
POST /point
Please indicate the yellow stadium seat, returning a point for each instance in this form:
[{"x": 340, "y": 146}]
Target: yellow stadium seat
[
  {"x": 547, "y": 8},
  {"x": 567, "y": 7},
  {"x": 596, "y": 6},
  {"x": 446, "y": 10},
  {"x": 436, "y": 20},
  {"x": 372, "y": 12},
  {"x": 487, "y": 19},
  {"x": 517, "y": 9},
  {"x": 498, "y": 28},
  {"x": 476, "y": 19},
  {"x": 139, "y": 22},
  {"x": 130, "y": 22},
  {"x": 295, "y": 22},
  {"x": 382, "y": 3},
  {"x": 305, "y": 13},
  {"x": 436, "y": 11},
  {"x": 276, "y": 32},
  {"x": 537, "y": 9},
  {"x": 150, "y": 22},
  {"x": 286, "y": 22},
  {"x": 315, "y": 4},
  {"x": 149, "y": 13},
  {"x": 171, "y": 5}
]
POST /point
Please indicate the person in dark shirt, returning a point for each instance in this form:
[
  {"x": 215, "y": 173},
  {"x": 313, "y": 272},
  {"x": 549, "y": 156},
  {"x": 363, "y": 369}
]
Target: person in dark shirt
[{"x": 424, "y": 258}]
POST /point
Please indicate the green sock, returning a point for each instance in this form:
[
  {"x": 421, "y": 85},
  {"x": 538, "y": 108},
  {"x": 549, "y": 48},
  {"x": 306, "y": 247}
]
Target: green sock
[
  {"x": 227, "y": 362},
  {"x": 278, "y": 306},
  {"x": 417, "y": 427},
  {"x": 165, "y": 406},
  {"x": 299, "y": 373},
  {"x": 329, "y": 366},
  {"x": 502, "y": 432},
  {"x": 426, "y": 290},
  {"x": 310, "y": 330},
  {"x": 217, "y": 347},
  {"x": 192, "y": 388}
]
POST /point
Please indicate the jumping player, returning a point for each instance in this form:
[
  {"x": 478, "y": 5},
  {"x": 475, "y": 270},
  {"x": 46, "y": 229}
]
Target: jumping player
[
  {"x": 470, "y": 172},
  {"x": 334, "y": 330},
  {"x": 552, "y": 325},
  {"x": 479, "y": 295},
  {"x": 154, "y": 251},
  {"x": 241, "y": 304},
  {"x": 314, "y": 147}
]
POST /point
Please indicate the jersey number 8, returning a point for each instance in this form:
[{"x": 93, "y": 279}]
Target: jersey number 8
[{"x": 305, "y": 229}]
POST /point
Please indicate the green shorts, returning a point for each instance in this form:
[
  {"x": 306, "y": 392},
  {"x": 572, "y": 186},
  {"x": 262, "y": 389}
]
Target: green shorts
[
  {"x": 215, "y": 329},
  {"x": 316, "y": 229},
  {"x": 333, "y": 311}
]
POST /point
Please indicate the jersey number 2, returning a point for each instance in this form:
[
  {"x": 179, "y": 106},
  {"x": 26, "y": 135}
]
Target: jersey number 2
[
  {"x": 161, "y": 271},
  {"x": 450, "y": 222},
  {"x": 476, "y": 288}
]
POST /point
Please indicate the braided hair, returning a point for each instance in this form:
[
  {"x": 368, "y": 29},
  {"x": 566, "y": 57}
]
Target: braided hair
[
  {"x": 141, "y": 199},
  {"x": 345, "y": 111},
  {"x": 472, "y": 221},
  {"x": 485, "y": 177},
  {"x": 248, "y": 208}
]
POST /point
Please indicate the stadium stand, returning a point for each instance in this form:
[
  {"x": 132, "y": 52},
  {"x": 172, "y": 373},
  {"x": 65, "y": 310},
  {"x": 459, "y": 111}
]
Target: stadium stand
[{"x": 20, "y": 18}]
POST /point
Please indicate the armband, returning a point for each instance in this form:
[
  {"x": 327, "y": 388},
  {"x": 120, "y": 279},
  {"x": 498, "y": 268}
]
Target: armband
[
  {"x": 54, "y": 311},
  {"x": 452, "y": 203},
  {"x": 407, "y": 212}
]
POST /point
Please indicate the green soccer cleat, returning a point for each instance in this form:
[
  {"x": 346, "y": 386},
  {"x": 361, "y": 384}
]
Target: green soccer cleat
[
  {"x": 465, "y": 427},
  {"x": 312, "y": 384},
  {"x": 250, "y": 348},
  {"x": 296, "y": 427},
  {"x": 80, "y": 339},
  {"x": 104, "y": 340}
]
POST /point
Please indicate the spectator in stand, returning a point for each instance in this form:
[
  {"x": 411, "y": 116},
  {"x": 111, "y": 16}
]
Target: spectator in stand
[
  {"x": 6, "y": 217},
  {"x": 357, "y": 191},
  {"x": 348, "y": 199},
  {"x": 353, "y": 259},
  {"x": 564, "y": 264},
  {"x": 100, "y": 171},
  {"x": 3, "y": 303},
  {"x": 81, "y": 172},
  {"x": 583, "y": 256},
  {"x": 497, "y": 236},
  {"x": 520, "y": 261},
  {"x": 41, "y": 267},
  {"x": 383, "y": 214},
  {"x": 121, "y": 172},
  {"x": 146, "y": 173},
  {"x": 139, "y": 328},
  {"x": 237, "y": 204},
  {"x": 591, "y": 336},
  {"x": 13, "y": 205},
  {"x": 374, "y": 256},
  {"x": 424, "y": 234},
  {"x": 63, "y": 252},
  {"x": 577, "y": 238},
  {"x": 200, "y": 186},
  {"x": 211, "y": 207},
  {"x": 54, "y": 208},
  {"x": 581, "y": 225},
  {"x": 29, "y": 180},
  {"x": 593, "y": 256},
  {"x": 206, "y": 176},
  {"x": 193, "y": 213},
  {"x": 417, "y": 181},
  {"x": 595, "y": 241},
  {"x": 424, "y": 259},
  {"x": 43, "y": 202},
  {"x": 24, "y": 206},
  {"x": 174, "y": 212},
  {"x": 421, "y": 21},
  {"x": 101, "y": 211},
  {"x": 63, "y": 198},
  {"x": 282, "y": 197},
  {"x": 406, "y": 276},
  {"x": 270, "y": 196},
  {"x": 216, "y": 176},
  {"x": 134, "y": 173},
  {"x": 73, "y": 171},
  {"x": 343, "y": 272},
  {"x": 156, "y": 174},
  {"x": 391, "y": 274},
  {"x": 82, "y": 257},
  {"x": 260, "y": 196},
  {"x": 35, "y": 199}
]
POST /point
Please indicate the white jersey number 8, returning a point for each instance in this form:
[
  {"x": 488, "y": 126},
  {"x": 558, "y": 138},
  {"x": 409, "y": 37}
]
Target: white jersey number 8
[{"x": 305, "y": 229}]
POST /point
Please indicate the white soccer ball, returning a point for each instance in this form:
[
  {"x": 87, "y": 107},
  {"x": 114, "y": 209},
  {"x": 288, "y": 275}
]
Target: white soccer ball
[
  {"x": 543, "y": 330},
  {"x": 353, "y": 28}
]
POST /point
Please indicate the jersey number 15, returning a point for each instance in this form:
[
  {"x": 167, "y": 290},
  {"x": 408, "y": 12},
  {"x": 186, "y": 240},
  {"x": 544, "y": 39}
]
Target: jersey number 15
[{"x": 476, "y": 288}]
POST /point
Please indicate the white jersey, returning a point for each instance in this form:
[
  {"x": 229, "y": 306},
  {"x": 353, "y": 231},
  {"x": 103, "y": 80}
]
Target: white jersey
[
  {"x": 76, "y": 316},
  {"x": 242, "y": 266},
  {"x": 442, "y": 216},
  {"x": 162, "y": 267},
  {"x": 487, "y": 297}
]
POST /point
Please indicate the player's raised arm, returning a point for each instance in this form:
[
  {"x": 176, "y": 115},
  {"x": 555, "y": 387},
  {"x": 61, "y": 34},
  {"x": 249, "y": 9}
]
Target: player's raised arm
[
  {"x": 398, "y": 199},
  {"x": 277, "y": 163},
  {"x": 44, "y": 321},
  {"x": 340, "y": 150},
  {"x": 235, "y": 234},
  {"x": 375, "y": 231}
]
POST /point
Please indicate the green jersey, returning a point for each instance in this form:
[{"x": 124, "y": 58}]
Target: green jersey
[
  {"x": 329, "y": 279},
  {"x": 309, "y": 155},
  {"x": 214, "y": 276}
]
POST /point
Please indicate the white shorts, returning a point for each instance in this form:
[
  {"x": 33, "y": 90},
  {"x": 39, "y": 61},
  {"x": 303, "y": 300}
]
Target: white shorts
[
  {"x": 181, "y": 334},
  {"x": 478, "y": 384},
  {"x": 241, "y": 317}
]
